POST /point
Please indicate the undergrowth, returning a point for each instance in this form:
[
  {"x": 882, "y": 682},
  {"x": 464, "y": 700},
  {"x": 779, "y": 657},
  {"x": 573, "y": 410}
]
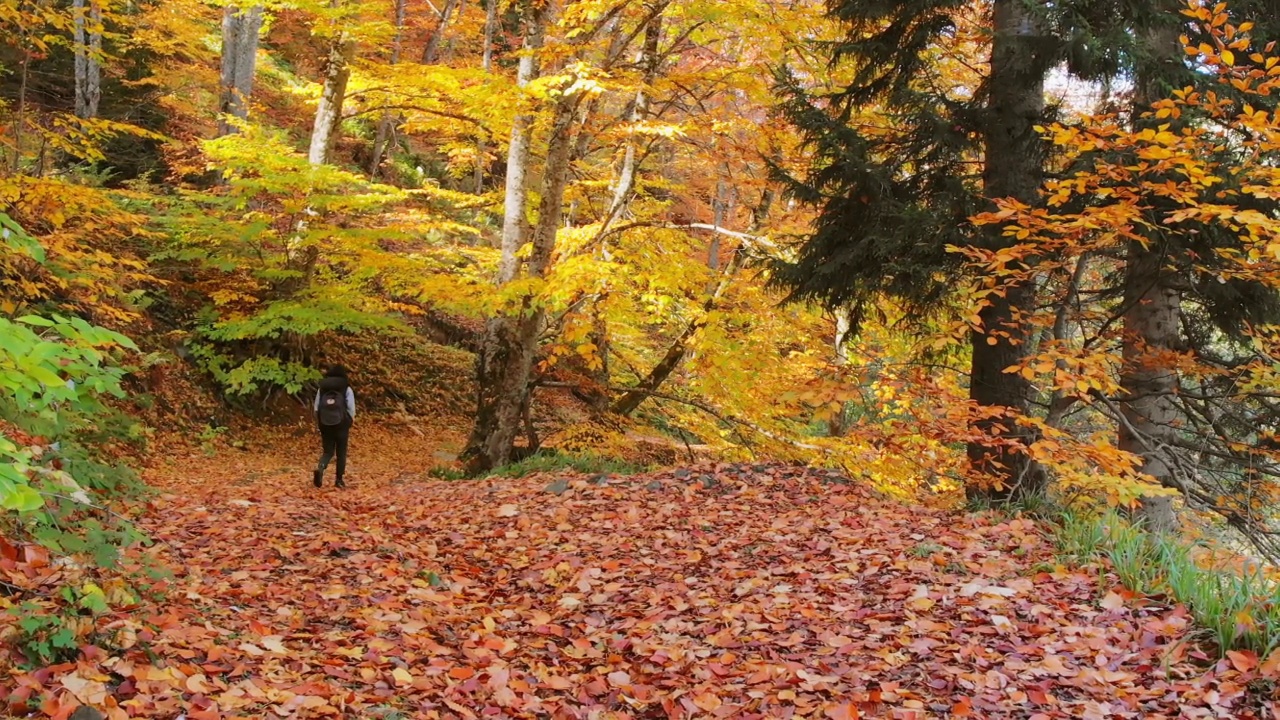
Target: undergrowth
[
  {"x": 549, "y": 462},
  {"x": 1239, "y": 610}
]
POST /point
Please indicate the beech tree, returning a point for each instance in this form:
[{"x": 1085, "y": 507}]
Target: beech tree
[
  {"x": 88, "y": 52},
  {"x": 336, "y": 74},
  {"x": 240, "y": 29}
]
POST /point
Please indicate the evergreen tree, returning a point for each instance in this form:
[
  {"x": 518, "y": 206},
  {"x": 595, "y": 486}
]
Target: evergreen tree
[{"x": 892, "y": 202}]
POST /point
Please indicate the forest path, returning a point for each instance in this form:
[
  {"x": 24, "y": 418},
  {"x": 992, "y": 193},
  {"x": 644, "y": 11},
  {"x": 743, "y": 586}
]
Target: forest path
[{"x": 719, "y": 591}]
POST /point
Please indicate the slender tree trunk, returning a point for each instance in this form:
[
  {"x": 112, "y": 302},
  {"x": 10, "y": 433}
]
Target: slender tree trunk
[
  {"x": 1153, "y": 303},
  {"x": 844, "y": 330},
  {"x": 490, "y": 28},
  {"x": 337, "y": 71},
  {"x": 387, "y": 125},
  {"x": 717, "y": 212},
  {"x": 649, "y": 60},
  {"x": 240, "y": 28},
  {"x": 431, "y": 52},
  {"x": 486, "y": 62},
  {"x": 505, "y": 359},
  {"x": 634, "y": 398},
  {"x": 679, "y": 350},
  {"x": 88, "y": 51},
  {"x": 1020, "y": 59}
]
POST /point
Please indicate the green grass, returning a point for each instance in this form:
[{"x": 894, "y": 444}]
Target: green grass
[
  {"x": 555, "y": 462},
  {"x": 1239, "y": 611}
]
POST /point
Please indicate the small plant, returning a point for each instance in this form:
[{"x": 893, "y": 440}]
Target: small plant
[
  {"x": 444, "y": 472},
  {"x": 555, "y": 462},
  {"x": 926, "y": 549},
  {"x": 208, "y": 438}
]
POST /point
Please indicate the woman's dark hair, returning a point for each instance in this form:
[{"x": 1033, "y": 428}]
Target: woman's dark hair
[{"x": 336, "y": 371}]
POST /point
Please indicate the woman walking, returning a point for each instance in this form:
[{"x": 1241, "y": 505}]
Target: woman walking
[{"x": 335, "y": 409}]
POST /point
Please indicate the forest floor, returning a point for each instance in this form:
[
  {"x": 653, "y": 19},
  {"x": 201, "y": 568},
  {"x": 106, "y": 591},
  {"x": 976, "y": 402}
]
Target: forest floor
[{"x": 730, "y": 591}]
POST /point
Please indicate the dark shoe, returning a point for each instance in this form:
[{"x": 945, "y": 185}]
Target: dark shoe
[
  {"x": 317, "y": 478},
  {"x": 340, "y": 483}
]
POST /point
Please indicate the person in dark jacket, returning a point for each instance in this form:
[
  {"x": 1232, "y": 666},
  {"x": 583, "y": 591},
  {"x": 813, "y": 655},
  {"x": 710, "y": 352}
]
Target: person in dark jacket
[{"x": 335, "y": 410}]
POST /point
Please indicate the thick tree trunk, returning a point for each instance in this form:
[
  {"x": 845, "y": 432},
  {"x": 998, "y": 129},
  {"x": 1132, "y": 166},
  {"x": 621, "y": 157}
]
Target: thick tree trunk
[
  {"x": 431, "y": 51},
  {"x": 506, "y": 361},
  {"x": 337, "y": 71},
  {"x": 506, "y": 353},
  {"x": 1153, "y": 306},
  {"x": 1020, "y": 59},
  {"x": 387, "y": 125},
  {"x": 88, "y": 51},
  {"x": 240, "y": 28}
]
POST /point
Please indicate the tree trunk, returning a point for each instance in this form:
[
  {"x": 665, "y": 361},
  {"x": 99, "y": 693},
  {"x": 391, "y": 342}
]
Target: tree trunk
[
  {"x": 1020, "y": 58},
  {"x": 240, "y": 28},
  {"x": 337, "y": 70},
  {"x": 88, "y": 51},
  {"x": 676, "y": 353},
  {"x": 717, "y": 213},
  {"x": 649, "y": 60},
  {"x": 844, "y": 330},
  {"x": 486, "y": 62},
  {"x": 1153, "y": 304},
  {"x": 512, "y": 343},
  {"x": 431, "y": 52},
  {"x": 505, "y": 358},
  {"x": 387, "y": 125}
]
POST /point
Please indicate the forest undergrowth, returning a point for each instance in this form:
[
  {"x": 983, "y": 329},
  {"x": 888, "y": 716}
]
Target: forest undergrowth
[{"x": 715, "y": 590}]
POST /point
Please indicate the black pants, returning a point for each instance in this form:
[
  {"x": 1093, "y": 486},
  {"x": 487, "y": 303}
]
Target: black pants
[{"x": 333, "y": 438}]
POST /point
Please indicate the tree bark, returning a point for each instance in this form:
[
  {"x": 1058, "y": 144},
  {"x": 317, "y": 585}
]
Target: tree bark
[
  {"x": 431, "y": 52},
  {"x": 387, "y": 125},
  {"x": 337, "y": 71},
  {"x": 844, "y": 331},
  {"x": 88, "y": 51},
  {"x": 505, "y": 358},
  {"x": 1021, "y": 55},
  {"x": 486, "y": 62},
  {"x": 240, "y": 28},
  {"x": 1153, "y": 304},
  {"x": 649, "y": 60}
]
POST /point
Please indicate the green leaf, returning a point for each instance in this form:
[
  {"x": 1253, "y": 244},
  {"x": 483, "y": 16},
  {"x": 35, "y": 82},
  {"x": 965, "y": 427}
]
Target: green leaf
[
  {"x": 36, "y": 320},
  {"x": 22, "y": 498}
]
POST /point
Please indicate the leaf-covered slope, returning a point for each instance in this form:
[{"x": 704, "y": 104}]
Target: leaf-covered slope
[{"x": 718, "y": 591}]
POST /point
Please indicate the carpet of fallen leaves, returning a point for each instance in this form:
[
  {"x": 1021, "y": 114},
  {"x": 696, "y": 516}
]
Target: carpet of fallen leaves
[{"x": 719, "y": 591}]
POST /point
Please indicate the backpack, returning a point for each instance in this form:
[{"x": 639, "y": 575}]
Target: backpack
[{"x": 333, "y": 407}]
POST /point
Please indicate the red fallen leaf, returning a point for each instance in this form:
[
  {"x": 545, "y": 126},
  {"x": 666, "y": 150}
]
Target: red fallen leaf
[
  {"x": 1243, "y": 660},
  {"x": 555, "y": 682},
  {"x": 1038, "y": 696},
  {"x": 844, "y": 711},
  {"x": 962, "y": 708},
  {"x": 708, "y": 701},
  {"x": 461, "y": 673},
  {"x": 1271, "y": 666}
]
